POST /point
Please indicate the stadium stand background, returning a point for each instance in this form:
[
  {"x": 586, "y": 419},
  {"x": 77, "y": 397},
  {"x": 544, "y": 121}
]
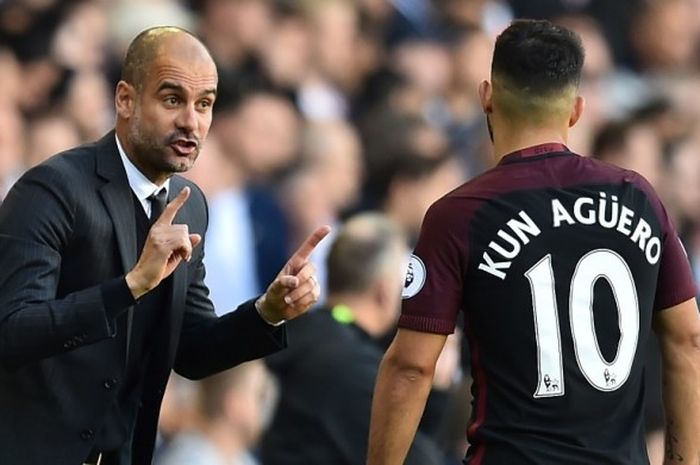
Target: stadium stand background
[{"x": 330, "y": 107}]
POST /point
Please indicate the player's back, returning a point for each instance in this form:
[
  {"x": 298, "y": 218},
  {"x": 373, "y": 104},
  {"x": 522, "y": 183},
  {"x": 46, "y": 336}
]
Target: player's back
[{"x": 561, "y": 258}]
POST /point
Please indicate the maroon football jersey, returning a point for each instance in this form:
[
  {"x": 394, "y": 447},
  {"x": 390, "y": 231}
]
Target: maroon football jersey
[{"x": 558, "y": 262}]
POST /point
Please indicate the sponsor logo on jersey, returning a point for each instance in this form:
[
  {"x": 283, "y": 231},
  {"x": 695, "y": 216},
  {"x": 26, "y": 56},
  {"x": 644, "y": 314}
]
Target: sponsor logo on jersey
[{"x": 415, "y": 277}]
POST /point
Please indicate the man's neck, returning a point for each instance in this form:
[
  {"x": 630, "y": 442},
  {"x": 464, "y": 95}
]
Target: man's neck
[{"x": 513, "y": 140}]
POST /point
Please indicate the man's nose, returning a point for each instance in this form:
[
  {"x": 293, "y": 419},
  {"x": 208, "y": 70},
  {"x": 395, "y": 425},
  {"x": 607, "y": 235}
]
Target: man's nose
[{"x": 187, "y": 119}]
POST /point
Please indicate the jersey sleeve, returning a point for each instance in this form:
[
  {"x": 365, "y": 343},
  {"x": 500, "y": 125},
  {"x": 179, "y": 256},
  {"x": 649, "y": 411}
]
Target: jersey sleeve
[
  {"x": 675, "y": 283},
  {"x": 432, "y": 294}
]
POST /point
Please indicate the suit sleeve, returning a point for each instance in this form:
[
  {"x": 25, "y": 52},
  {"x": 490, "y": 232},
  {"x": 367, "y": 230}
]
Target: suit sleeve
[
  {"x": 36, "y": 228},
  {"x": 210, "y": 344}
]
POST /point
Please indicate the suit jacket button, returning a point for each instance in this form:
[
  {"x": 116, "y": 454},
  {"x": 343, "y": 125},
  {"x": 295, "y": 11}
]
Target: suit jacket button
[
  {"x": 87, "y": 434},
  {"x": 110, "y": 383}
]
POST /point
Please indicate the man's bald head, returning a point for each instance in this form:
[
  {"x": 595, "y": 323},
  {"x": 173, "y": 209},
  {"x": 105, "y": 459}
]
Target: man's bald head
[{"x": 145, "y": 47}]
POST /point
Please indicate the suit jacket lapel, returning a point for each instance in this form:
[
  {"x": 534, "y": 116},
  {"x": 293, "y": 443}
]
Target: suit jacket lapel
[{"x": 118, "y": 198}]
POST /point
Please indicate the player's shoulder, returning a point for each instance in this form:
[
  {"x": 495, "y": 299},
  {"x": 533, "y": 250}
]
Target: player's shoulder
[
  {"x": 456, "y": 207},
  {"x": 604, "y": 172},
  {"x": 472, "y": 192}
]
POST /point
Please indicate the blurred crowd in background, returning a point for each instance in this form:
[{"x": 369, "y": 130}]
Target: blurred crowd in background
[{"x": 328, "y": 108}]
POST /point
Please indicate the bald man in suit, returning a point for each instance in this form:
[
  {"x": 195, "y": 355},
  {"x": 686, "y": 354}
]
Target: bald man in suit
[{"x": 101, "y": 278}]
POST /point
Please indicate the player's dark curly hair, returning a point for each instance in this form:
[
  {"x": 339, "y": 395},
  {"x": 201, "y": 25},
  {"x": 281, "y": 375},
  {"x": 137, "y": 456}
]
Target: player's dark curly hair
[{"x": 538, "y": 57}]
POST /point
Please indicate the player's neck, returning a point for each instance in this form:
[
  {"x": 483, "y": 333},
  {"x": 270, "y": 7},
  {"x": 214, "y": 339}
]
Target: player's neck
[{"x": 513, "y": 140}]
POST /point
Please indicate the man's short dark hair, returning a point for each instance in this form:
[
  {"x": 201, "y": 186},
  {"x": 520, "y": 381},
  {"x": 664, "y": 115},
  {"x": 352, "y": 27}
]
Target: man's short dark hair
[
  {"x": 536, "y": 59},
  {"x": 538, "y": 56}
]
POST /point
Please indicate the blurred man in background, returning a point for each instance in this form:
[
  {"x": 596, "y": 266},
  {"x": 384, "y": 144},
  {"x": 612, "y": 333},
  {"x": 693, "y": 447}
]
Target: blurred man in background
[
  {"x": 326, "y": 379},
  {"x": 231, "y": 408}
]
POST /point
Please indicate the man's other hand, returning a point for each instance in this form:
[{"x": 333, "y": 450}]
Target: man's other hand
[
  {"x": 295, "y": 289},
  {"x": 166, "y": 246}
]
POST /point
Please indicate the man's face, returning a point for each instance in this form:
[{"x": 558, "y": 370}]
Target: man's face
[{"x": 172, "y": 112}]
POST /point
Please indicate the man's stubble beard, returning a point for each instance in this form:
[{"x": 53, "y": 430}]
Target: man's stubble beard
[{"x": 151, "y": 154}]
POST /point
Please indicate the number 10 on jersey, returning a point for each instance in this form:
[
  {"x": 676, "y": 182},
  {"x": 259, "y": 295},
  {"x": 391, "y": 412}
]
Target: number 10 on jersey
[{"x": 601, "y": 374}]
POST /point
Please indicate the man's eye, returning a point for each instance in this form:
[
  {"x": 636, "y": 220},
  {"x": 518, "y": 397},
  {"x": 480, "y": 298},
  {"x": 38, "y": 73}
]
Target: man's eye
[
  {"x": 205, "y": 104},
  {"x": 171, "y": 100}
]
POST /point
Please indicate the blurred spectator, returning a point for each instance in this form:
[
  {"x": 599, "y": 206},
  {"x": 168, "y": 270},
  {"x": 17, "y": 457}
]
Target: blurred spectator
[
  {"x": 88, "y": 102},
  {"x": 231, "y": 410},
  {"x": 129, "y": 17},
  {"x": 10, "y": 78},
  {"x": 682, "y": 191},
  {"x": 321, "y": 424},
  {"x": 11, "y": 148},
  {"x": 81, "y": 39},
  {"x": 339, "y": 59},
  {"x": 333, "y": 152},
  {"x": 325, "y": 185},
  {"x": 466, "y": 126},
  {"x": 234, "y": 30},
  {"x": 49, "y": 134},
  {"x": 412, "y": 183},
  {"x": 253, "y": 139},
  {"x": 631, "y": 145},
  {"x": 615, "y": 18},
  {"x": 177, "y": 412},
  {"x": 286, "y": 55},
  {"x": 389, "y": 134},
  {"x": 259, "y": 134},
  {"x": 598, "y": 72},
  {"x": 665, "y": 36}
]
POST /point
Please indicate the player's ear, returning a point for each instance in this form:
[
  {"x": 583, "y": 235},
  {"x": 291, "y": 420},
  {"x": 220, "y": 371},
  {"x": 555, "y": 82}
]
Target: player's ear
[
  {"x": 577, "y": 111},
  {"x": 486, "y": 96},
  {"x": 124, "y": 99}
]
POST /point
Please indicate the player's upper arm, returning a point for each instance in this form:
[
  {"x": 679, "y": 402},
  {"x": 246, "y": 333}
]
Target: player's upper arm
[
  {"x": 679, "y": 325},
  {"x": 415, "y": 351},
  {"x": 433, "y": 289}
]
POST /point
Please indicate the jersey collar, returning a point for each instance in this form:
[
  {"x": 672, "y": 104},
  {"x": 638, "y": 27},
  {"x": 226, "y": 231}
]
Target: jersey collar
[{"x": 535, "y": 152}]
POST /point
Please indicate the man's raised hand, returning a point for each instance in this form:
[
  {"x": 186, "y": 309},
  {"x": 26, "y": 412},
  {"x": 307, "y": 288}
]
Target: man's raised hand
[
  {"x": 295, "y": 289},
  {"x": 166, "y": 246}
]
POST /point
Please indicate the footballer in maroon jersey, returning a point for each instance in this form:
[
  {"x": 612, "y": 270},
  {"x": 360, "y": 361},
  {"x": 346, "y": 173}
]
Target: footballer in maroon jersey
[{"x": 560, "y": 264}]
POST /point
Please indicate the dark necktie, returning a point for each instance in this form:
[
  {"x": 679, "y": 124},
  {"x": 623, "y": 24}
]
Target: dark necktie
[{"x": 158, "y": 202}]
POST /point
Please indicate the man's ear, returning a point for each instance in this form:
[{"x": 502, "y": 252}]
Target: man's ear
[
  {"x": 577, "y": 111},
  {"x": 486, "y": 96},
  {"x": 124, "y": 99}
]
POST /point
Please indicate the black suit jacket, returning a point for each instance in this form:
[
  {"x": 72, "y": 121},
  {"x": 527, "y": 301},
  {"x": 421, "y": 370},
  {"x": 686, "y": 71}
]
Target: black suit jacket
[
  {"x": 67, "y": 238},
  {"x": 327, "y": 381}
]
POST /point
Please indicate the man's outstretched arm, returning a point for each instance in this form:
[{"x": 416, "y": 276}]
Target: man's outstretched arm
[
  {"x": 678, "y": 329},
  {"x": 403, "y": 383}
]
